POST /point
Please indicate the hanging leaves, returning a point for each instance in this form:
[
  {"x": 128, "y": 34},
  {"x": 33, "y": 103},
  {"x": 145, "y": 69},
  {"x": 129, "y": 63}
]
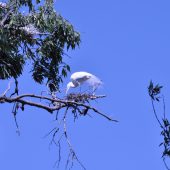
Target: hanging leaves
[{"x": 39, "y": 36}]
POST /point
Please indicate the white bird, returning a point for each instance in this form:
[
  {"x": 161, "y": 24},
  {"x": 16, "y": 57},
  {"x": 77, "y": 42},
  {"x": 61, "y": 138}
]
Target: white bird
[
  {"x": 3, "y": 5},
  {"x": 30, "y": 29},
  {"x": 78, "y": 78}
]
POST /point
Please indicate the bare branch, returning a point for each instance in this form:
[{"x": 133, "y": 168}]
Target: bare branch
[
  {"x": 164, "y": 108},
  {"x": 4, "y": 99},
  {"x": 78, "y": 104},
  {"x": 61, "y": 103},
  {"x": 156, "y": 116},
  {"x": 5, "y": 17},
  {"x": 166, "y": 166},
  {"x": 6, "y": 91},
  {"x": 72, "y": 155}
]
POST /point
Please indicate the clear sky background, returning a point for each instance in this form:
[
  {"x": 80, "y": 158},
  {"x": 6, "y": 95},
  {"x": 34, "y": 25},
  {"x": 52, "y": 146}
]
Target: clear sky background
[{"x": 126, "y": 43}]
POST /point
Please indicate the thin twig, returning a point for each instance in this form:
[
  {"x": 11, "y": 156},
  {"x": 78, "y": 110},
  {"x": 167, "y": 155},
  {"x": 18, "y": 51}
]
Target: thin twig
[
  {"x": 166, "y": 166},
  {"x": 5, "y": 17},
  {"x": 153, "y": 107},
  {"x": 164, "y": 108},
  {"x": 14, "y": 112},
  {"x": 6, "y": 91},
  {"x": 49, "y": 133},
  {"x": 72, "y": 153}
]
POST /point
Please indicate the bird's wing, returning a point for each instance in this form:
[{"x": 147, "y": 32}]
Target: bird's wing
[
  {"x": 83, "y": 78},
  {"x": 94, "y": 81},
  {"x": 80, "y": 77}
]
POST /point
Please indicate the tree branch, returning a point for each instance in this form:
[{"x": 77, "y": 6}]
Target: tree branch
[
  {"x": 61, "y": 103},
  {"x": 78, "y": 104},
  {"x": 72, "y": 155},
  {"x": 6, "y": 91}
]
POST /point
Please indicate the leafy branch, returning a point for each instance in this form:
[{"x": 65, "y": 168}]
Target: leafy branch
[
  {"x": 154, "y": 93},
  {"x": 39, "y": 37}
]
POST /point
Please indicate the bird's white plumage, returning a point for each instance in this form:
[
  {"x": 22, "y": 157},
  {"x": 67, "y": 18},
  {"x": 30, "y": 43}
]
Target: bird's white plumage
[
  {"x": 3, "y": 5},
  {"x": 78, "y": 78}
]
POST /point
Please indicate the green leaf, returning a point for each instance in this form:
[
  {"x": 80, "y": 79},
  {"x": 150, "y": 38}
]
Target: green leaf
[{"x": 44, "y": 50}]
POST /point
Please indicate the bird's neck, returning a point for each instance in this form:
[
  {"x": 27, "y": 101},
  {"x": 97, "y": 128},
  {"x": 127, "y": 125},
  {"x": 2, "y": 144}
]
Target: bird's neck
[{"x": 75, "y": 83}]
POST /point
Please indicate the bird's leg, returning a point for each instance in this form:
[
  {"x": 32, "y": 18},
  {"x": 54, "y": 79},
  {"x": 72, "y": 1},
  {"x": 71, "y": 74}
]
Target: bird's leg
[
  {"x": 87, "y": 90},
  {"x": 80, "y": 88},
  {"x": 94, "y": 89}
]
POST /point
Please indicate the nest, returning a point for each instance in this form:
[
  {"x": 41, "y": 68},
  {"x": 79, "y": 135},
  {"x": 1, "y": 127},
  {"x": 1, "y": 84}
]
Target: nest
[{"x": 78, "y": 97}]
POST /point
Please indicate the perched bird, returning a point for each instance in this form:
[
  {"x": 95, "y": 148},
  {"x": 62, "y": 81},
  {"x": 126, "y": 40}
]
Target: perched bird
[
  {"x": 78, "y": 78},
  {"x": 30, "y": 29},
  {"x": 3, "y": 5}
]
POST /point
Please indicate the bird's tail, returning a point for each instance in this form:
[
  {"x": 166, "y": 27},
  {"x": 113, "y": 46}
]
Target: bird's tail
[{"x": 95, "y": 82}]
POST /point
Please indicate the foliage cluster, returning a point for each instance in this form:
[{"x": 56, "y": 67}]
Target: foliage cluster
[
  {"x": 155, "y": 95},
  {"x": 39, "y": 36}
]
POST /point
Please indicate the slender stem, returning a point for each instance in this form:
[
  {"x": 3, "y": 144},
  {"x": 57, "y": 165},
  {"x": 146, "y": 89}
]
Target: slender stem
[
  {"x": 72, "y": 152},
  {"x": 156, "y": 114},
  {"x": 166, "y": 166},
  {"x": 164, "y": 108}
]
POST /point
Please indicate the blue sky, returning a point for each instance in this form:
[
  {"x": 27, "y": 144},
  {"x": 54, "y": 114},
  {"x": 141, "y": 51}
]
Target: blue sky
[{"x": 126, "y": 43}]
